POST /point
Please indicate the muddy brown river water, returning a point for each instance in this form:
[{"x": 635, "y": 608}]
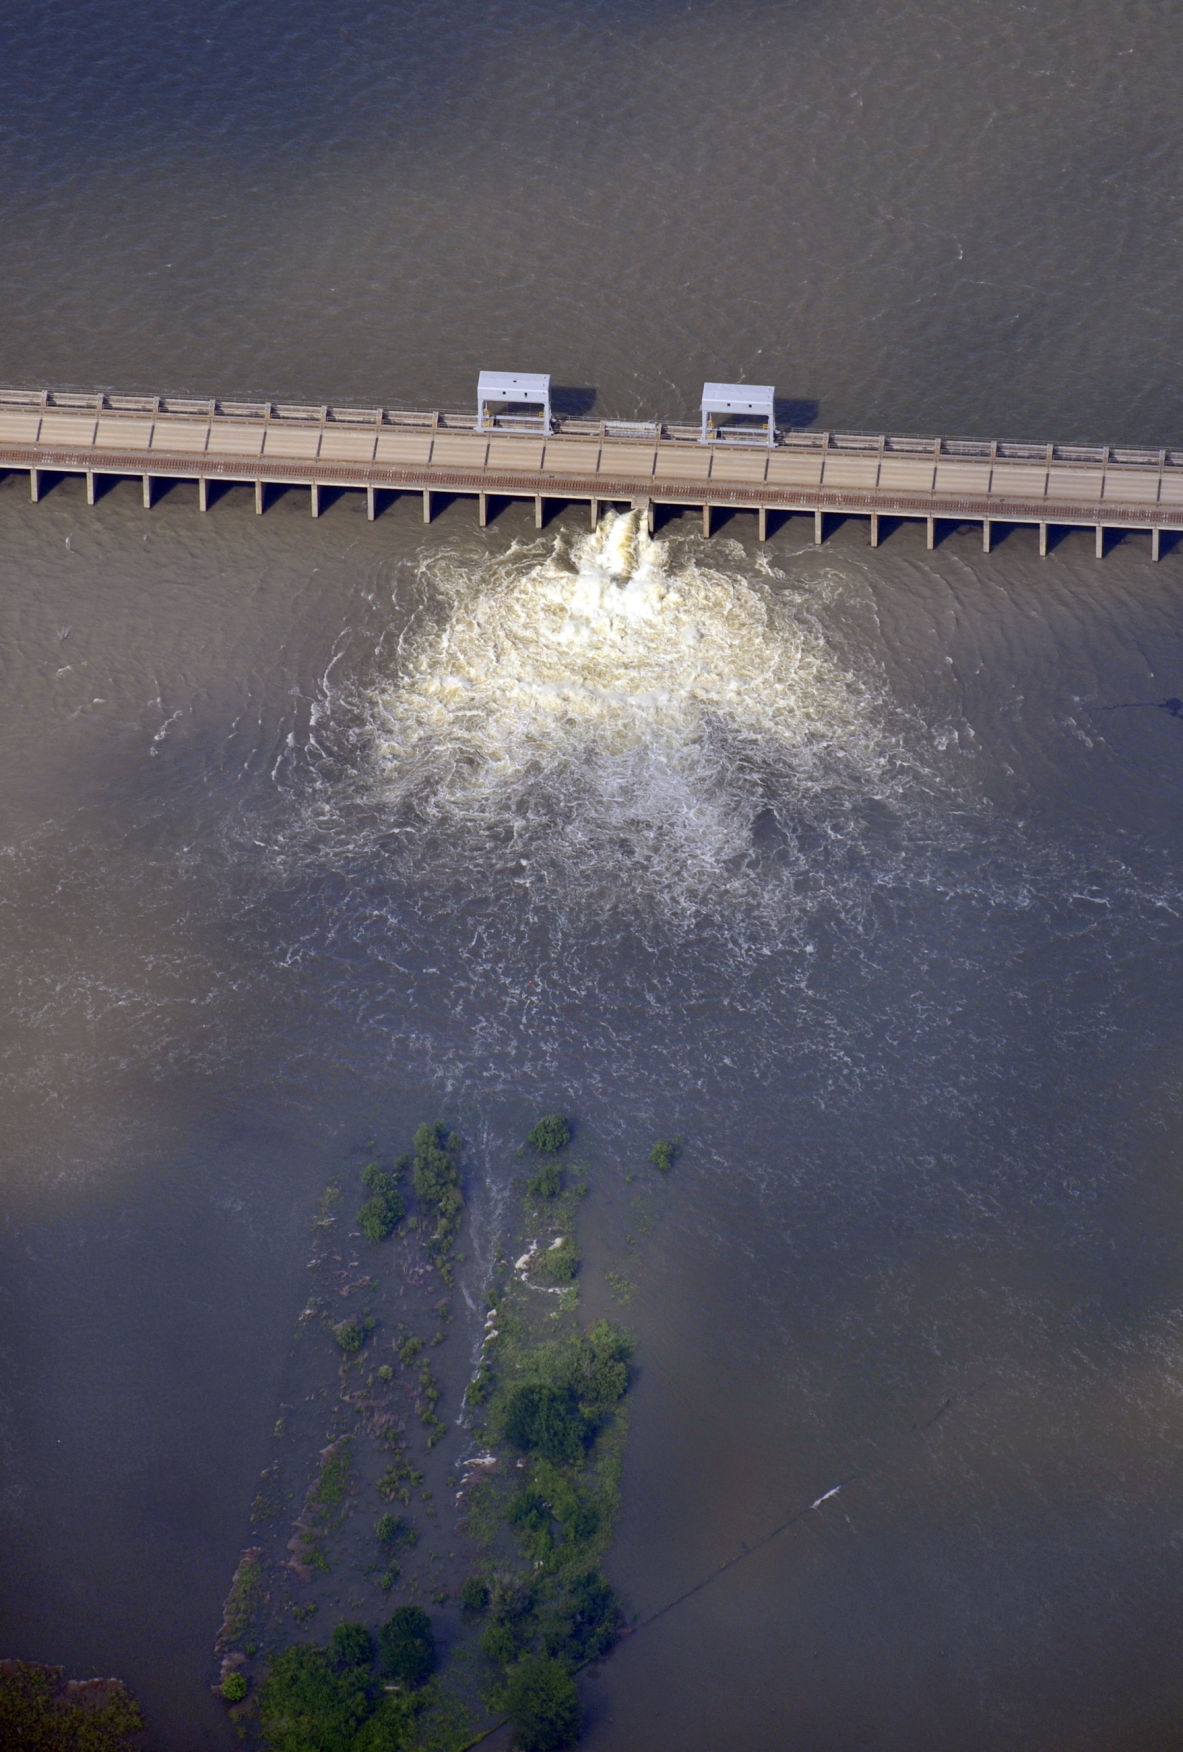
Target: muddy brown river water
[{"x": 859, "y": 869}]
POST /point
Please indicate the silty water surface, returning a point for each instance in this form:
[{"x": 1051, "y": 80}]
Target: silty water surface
[{"x": 837, "y": 862}]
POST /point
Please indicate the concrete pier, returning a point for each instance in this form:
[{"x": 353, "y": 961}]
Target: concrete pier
[{"x": 652, "y": 465}]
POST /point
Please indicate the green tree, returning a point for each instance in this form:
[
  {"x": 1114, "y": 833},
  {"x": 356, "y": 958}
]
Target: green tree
[
  {"x": 546, "y": 1419},
  {"x": 391, "y": 1728},
  {"x": 437, "y": 1178},
  {"x": 234, "y": 1687},
  {"x": 304, "y": 1706},
  {"x": 406, "y": 1646},
  {"x": 541, "y": 1702},
  {"x": 38, "y": 1714},
  {"x": 550, "y": 1134},
  {"x": 350, "y": 1645},
  {"x": 385, "y": 1208}
]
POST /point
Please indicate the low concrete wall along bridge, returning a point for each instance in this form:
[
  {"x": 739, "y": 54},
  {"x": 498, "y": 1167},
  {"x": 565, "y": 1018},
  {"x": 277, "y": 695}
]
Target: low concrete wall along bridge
[{"x": 383, "y": 451}]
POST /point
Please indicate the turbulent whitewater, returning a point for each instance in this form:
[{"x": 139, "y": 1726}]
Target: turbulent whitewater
[{"x": 607, "y": 719}]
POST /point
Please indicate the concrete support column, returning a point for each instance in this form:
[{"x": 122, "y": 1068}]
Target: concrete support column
[
  {"x": 202, "y": 493},
  {"x": 538, "y": 510},
  {"x": 594, "y": 511},
  {"x": 482, "y": 510},
  {"x": 1043, "y": 541},
  {"x": 314, "y": 498},
  {"x": 985, "y": 535},
  {"x": 818, "y": 531},
  {"x": 874, "y": 529},
  {"x": 371, "y": 508},
  {"x": 1154, "y": 542},
  {"x": 706, "y": 520},
  {"x": 427, "y": 504},
  {"x": 930, "y": 533},
  {"x": 34, "y": 484},
  {"x": 258, "y": 498},
  {"x": 147, "y": 492},
  {"x": 90, "y": 486},
  {"x": 650, "y": 516},
  {"x": 762, "y": 523},
  {"x": 1100, "y": 541}
]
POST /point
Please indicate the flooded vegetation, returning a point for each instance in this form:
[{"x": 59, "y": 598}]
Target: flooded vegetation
[{"x": 359, "y": 1627}]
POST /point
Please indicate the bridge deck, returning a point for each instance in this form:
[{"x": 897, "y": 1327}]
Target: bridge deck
[{"x": 598, "y": 462}]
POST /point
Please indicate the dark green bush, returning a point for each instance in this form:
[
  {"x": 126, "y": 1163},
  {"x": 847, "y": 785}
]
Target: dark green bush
[
  {"x": 500, "y": 1642},
  {"x": 437, "y": 1179},
  {"x": 391, "y": 1728},
  {"x": 304, "y": 1706},
  {"x": 385, "y": 1208},
  {"x": 586, "y": 1624},
  {"x": 541, "y": 1702},
  {"x": 474, "y": 1595},
  {"x": 234, "y": 1687},
  {"x": 547, "y": 1183},
  {"x": 556, "y": 1265},
  {"x": 551, "y": 1133},
  {"x": 350, "y": 1645},
  {"x": 406, "y": 1646},
  {"x": 662, "y": 1155},
  {"x": 395, "y": 1528},
  {"x": 352, "y": 1334},
  {"x": 545, "y": 1419},
  {"x": 529, "y": 1509}
]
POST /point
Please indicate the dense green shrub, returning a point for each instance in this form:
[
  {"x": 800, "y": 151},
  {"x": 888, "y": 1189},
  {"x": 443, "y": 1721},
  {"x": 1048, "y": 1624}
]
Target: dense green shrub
[
  {"x": 391, "y": 1728},
  {"x": 474, "y": 1595},
  {"x": 547, "y": 1183},
  {"x": 395, "y": 1528},
  {"x": 234, "y": 1687},
  {"x": 406, "y": 1646},
  {"x": 41, "y": 1712},
  {"x": 600, "y": 1365},
  {"x": 551, "y": 1133},
  {"x": 586, "y": 1623},
  {"x": 350, "y": 1645},
  {"x": 541, "y": 1702},
  {"x": 437, "y": 1180},
  {"x": 385, "y": 1208},
  {"x": 556, "y": 1265},
  {"x": 546, "y": 1419},
  {"x": 304, "y": 1706},
  {"x": 530, "y": 1510},
  {"x": 662, "y": 1155},
  {"x": 352, "y": 1334}
]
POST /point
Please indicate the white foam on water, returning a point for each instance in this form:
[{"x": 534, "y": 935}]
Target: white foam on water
[{"x": 622, "y": 726}]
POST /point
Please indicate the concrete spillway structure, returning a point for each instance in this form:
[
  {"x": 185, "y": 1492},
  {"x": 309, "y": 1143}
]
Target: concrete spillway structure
[{"x": 382, "y": 451}]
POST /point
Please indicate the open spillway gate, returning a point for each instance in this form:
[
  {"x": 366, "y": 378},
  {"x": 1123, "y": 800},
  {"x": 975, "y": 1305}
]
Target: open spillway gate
[{"x": 382, "y": 452}]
